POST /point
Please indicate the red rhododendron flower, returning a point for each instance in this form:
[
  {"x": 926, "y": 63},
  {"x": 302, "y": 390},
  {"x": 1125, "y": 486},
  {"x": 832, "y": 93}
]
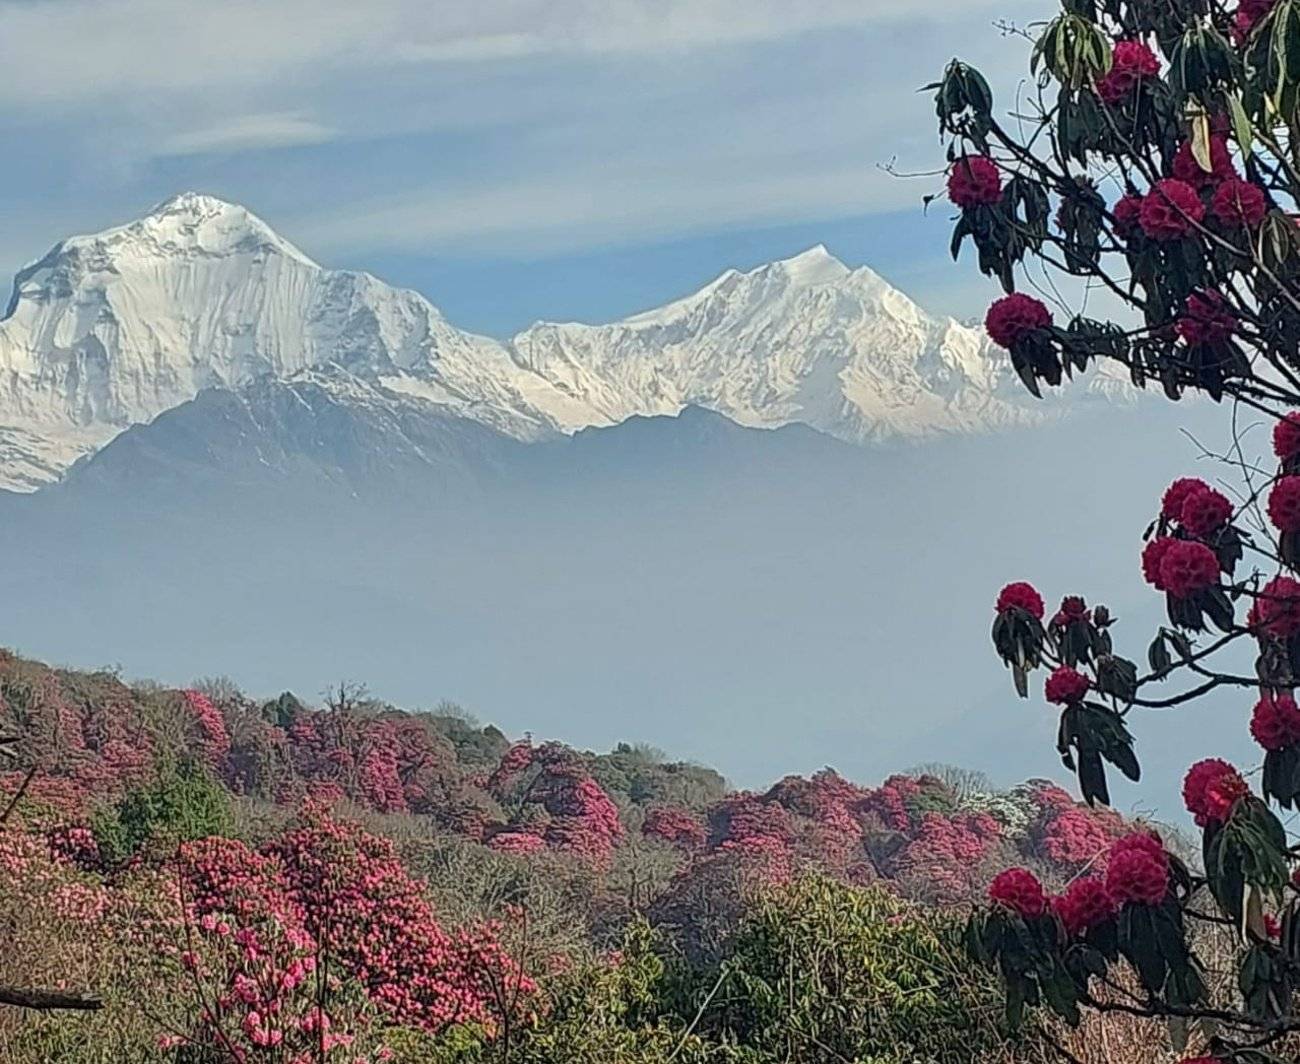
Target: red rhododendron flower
[
  {"x": 1205, "y": 511},
  {"x": 1239, "y": 203},
  {"x": 1210, "y": 789},
  {"x": 1250, "y": 13},
  {"x": 1072, "y": 608},
  {"x": 1284, "y": 504},
  {"x": 1171, "y": 503},
  {"x": 1275, "y": 724},
  {"x": 1021, "y": 595},
  {"x": 1019, "y": 890},
  {"x": 1127, "y": 211},
  {"x": 1085, "y": 904},
  {"x": 1170, "y": 210},
  {"x": 1066, "y": 685},
  {"x": 1152, "y": 555},
  {"x": 1014, "y": 317},
  {"x": 1286, "y": 437},
  {"x": 1187, "y": 169},
  {"x": 1205, "y": 319},
  {"x": 1137, "y": 870},
  {"x": 1131, "y": 61},
  {"x": 1187, "y": 567},
  {"x": 974, "y": 181},
  {"x": 1277, "y": 610}
]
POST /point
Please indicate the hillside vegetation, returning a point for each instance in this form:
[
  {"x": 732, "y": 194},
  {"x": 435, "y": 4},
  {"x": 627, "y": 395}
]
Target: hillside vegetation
[{"x": 240, "y": 880}]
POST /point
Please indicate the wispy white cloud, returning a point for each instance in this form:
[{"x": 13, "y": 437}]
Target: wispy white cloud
[
  {"x": 563, "y": 215},
  {"x": 523, "y": 125},
  {"x": 68, "y": 50},
  {"x": 246, "y": 132}
]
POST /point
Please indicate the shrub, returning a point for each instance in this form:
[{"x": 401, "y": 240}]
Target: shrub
[
  {"x": 182, "y": 802},
  {"x": 822, "y": 972}
]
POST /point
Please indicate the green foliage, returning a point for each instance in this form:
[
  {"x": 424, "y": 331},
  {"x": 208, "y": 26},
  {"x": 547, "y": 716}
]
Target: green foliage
[
  {"x": 822, "y": 972},
  {"x": 639, "y": 775},
  {"x": 476, "y": 745},
  {"x": 598, "y": 1012},
  {"x": 182, "y": 802}
]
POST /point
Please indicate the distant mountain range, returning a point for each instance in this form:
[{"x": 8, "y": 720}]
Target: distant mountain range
[{"x": 221, "y": 346}]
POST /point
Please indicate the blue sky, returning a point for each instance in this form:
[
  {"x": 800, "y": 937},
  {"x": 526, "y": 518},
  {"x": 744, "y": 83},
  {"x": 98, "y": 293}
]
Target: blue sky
[{"x": 512, "y": 159}]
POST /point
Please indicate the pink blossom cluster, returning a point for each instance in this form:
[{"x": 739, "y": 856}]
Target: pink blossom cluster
[
  {"x": 674, "y": 825},
  {"x": 213, "y": 738},
  {"x": 548, "y": 792}
]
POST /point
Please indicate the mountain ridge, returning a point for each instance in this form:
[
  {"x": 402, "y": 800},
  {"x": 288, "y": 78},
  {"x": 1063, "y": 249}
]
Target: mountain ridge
[{"x": 115, "y": 328}]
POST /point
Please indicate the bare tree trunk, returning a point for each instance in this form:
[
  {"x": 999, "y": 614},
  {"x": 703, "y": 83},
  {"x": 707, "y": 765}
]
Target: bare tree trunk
[{"x": 47, "y": 999}]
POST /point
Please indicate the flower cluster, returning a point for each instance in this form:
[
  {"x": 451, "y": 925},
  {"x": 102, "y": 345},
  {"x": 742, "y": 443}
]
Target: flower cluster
[
  {"x": 1131, "y": 63},
  {"x": 1137, "y": 870},
  {"x": 1286, "y": 437},
  {"x": 1239, "y": 204},
  {"x": 1128, "y": 214},
  {"x": 1171, "y": 210},
  {"x": 1014, "y": 317},
  {"x": 213, "y": 738},
  {"x": 1206, "y": 319},
  {"x": 1066, "y": 686},
  {"x": 1018, "y": 890},
  {"x": 974, "y": 181},
  {"x": 1188, "y": 168},
  {"x": 1085, "y": 904},
  {"x": 1276, "y": 610},
  {"x": 1211, "y": 789},
  {"x": 675, "y": 825},
  {"x": 1284, "y": 504},
  {"x": 1275, "y": 722},
  {"x": 1171, "y": 503},
  {"x": 1250, "y": 13},
  {"x": 1205, "y": 511},
  {"x": 1186, "y": 567},
  {"x": 1021, "y": 596}
]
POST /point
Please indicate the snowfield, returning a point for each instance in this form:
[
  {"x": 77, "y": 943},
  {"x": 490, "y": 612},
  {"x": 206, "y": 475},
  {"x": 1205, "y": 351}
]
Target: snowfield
[{"x": 112, "y": 329}]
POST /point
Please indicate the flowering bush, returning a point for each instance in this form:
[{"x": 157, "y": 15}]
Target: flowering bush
[
  {"x": 549, "y": 792},
  {"x": 1201, "y": 249},
  {"x": 674, "y": 825}
]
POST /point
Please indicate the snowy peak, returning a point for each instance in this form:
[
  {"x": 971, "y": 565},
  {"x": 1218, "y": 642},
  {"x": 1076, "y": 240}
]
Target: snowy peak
[
  {"x": 801, "y": 340},
  {"x": 187, "y": 226},
  {"x": 194, "y": 224},
  {"x": 112, "y": 329},
  {"x": 814, "y": 266}
]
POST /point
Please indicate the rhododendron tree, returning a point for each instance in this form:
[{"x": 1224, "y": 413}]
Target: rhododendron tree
[{"x": 1157, "y": 160}]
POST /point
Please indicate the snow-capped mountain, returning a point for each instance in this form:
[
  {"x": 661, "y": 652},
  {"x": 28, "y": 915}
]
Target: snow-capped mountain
[{"x": 112, "y": 329}]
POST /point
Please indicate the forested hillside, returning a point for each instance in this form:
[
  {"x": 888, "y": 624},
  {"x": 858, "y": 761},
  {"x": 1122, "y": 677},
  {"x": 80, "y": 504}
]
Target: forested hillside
[{"x": 215, "y": 877}]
